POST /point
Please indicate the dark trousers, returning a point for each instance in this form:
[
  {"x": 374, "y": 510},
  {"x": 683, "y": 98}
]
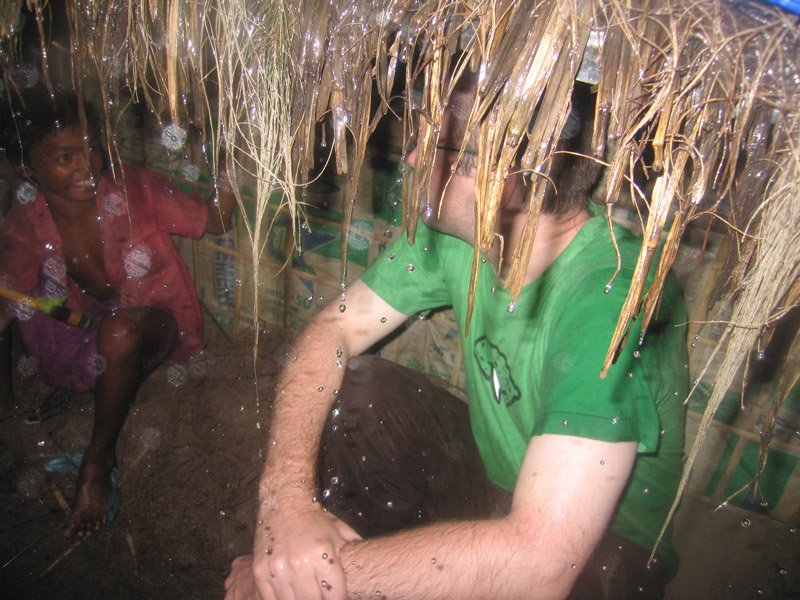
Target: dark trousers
[{"x": 397, "y": 452}]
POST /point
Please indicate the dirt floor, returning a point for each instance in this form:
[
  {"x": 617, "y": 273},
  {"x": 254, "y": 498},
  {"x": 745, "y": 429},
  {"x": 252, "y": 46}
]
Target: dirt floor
[{"x": 189, "y": 462}]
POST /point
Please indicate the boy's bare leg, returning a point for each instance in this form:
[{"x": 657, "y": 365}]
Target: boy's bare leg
[{"x": 124, "y": 339}]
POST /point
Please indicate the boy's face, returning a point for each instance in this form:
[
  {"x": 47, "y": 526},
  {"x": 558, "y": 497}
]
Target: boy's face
[{"x": 61, "y": 168}]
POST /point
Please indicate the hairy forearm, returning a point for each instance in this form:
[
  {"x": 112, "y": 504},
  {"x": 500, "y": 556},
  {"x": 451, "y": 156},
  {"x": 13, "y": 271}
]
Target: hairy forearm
[
  {"x": 306, "y": 390},
  {"x": 495, "y": 559}
]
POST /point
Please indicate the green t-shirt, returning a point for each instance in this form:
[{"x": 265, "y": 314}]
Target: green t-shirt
[{"x": 533, "y": 368}]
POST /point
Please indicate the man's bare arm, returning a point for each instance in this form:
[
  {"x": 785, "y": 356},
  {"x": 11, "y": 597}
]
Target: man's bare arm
[
  {"x": 565, "y": 497},
  {"x": 296, "y": 543}
]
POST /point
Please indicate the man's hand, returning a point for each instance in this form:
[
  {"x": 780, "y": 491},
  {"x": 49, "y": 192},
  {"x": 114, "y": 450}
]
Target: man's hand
[
  {"x": 240, "y": 584},
  {"x": 296, "y": 557}
]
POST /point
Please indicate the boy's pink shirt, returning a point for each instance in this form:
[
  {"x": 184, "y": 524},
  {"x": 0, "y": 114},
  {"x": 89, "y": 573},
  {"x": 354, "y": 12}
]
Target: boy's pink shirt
[{"x": 138, "y": 213}]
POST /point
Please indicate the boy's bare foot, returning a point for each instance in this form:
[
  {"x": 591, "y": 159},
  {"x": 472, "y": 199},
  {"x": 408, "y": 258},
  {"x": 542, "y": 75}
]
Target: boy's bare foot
[{"x": 90, "y": 507}]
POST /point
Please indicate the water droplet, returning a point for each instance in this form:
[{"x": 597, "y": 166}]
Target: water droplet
[
  {"x": 191, "y": 172},
  {"x": 342, "y": 308},
  {"x": 26, "y": 366},
  {"x": 26, "y": 192},
  {"x": 410, "y": 268},
  {"x": 565, "y": 423},
  {"x": 630, "y": 375},
  {"x": 40, "y": 443},
  {"x": 339, "y": 364},
  {"x": 646, "y": 490},
  {"x": 97, "y": 364},
  {"x": 607, "y": 289},
  {"x": 636, "y": 354},
  {"x": 746, "y": 523},
  {"x": 177, "y": 375},
  {"x": 615, "y": 421},
  {"x": 320, "y": 389},
  {"x": 573, "y": 566},
  {"x": 324, "y": 584},
  {"x": 383, "y": 319},
  {"x": 390, "y": 505},
  {"x": 391, "y": 256},
  {"x": 512, "y": 306},
  {"x": 324, "y": 556},
  {"x": 173, "y": 137},
  {"x": 433, "y": 561},
  {"x": 602, "y": 462},
  {"x": 493, "y": 289}
]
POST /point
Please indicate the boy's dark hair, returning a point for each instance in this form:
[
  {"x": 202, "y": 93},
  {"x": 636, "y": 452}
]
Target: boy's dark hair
[{"x": 36, "y": 114}]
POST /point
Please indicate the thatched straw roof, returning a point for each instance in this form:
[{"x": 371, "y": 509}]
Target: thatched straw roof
[{"x": 702, "y": 96}]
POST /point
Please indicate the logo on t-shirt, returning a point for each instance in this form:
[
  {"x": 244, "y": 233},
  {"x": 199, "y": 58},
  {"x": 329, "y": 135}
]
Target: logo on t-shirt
[{"x": 496, "y": 370}]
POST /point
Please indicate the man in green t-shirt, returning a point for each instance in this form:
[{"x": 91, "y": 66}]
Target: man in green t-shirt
[{"x": 589, "y": 465}]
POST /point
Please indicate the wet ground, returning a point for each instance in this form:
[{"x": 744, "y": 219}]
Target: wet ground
[{"x": 189, "y": 462}]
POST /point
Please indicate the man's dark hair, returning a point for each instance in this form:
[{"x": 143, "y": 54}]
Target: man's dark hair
[
  {"x": 574, "y": 172},
  {"x": 36, "y": 114}
]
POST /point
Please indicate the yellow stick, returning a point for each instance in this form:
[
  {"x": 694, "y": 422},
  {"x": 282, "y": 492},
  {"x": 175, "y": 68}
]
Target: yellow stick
[
  {"x": 59, "y": 498},
  {"x": 64, "y": 555}
]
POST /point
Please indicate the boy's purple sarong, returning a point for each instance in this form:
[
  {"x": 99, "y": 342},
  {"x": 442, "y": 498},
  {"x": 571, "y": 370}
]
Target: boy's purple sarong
[{"x": 67, "y": 356}]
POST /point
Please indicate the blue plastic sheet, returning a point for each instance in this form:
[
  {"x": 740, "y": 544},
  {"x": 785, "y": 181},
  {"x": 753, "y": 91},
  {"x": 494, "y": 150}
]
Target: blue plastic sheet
[{"x": 790, "y": 5}]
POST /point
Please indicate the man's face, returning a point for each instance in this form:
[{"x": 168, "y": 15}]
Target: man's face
[
  {"x": 453, "y": 213},
  {"x": 61, "y": 168}
]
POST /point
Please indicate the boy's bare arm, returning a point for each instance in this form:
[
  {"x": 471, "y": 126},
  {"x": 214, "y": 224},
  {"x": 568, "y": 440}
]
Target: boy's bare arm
[{"x": 221, "y": 202}]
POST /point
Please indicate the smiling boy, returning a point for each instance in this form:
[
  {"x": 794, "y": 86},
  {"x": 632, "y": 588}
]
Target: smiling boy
[{"x": 104, "y": 242}]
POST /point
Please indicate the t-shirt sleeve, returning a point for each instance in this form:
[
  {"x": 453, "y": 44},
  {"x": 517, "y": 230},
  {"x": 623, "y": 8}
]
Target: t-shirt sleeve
[
  {"x": 617, "y": 408},
  {"x": 410, "y": 278},
  {"x": 177, "y": 212}
]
